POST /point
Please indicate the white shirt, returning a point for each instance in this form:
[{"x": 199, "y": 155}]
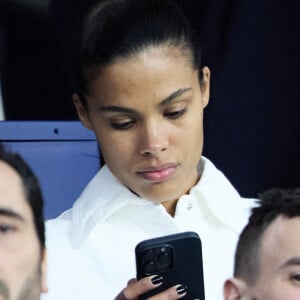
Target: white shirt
[{"x": 91, "y": 246}]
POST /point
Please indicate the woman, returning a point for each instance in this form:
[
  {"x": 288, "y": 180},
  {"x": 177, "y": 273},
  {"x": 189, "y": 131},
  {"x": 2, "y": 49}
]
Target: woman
[{"x": 142, "y": 90}]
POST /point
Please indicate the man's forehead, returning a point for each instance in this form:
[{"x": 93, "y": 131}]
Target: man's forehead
[
  {"x": 12, "y": 196},
  {"x": 8, "y": 173},
  {"x": 284, "y": 224},
  {"x": 282, "y": 228},
  {"x": 281, "y": 241}
]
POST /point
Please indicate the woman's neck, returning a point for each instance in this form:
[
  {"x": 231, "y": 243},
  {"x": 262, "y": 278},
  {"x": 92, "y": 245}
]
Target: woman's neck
[{"x": 170, "y": 206}]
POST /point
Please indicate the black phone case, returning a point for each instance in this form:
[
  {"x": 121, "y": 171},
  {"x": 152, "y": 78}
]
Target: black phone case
[{"x": 178, "y": 258}]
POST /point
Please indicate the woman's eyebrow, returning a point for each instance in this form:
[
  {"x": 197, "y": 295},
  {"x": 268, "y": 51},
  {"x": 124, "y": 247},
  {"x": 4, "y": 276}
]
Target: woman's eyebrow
[
  {"x": 122, "y": 109},
  {"x": 173, "y": 96}
]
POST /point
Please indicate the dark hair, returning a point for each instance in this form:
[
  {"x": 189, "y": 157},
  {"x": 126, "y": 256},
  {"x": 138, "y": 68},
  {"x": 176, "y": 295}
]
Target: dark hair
[
  {"x": 272, "y": 204},
  {"x": 117, "y": 29},
  {"x": 31, "y": 188}
]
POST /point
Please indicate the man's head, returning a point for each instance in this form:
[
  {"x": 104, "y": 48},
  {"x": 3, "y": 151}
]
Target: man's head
[
  {"x": 22, "y": 236},
  {"x": 267, "y": 260}
]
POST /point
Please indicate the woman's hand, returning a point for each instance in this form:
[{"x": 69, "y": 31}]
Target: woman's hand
[{"x": 136, "y": 288}]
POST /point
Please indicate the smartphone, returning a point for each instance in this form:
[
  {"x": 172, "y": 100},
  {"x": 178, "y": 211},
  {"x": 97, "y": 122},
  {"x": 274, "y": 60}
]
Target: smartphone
[{"x": 176, "y": 257}]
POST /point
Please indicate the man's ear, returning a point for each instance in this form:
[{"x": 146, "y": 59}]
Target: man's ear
[
  {"x": 44, "y": 287},
  {"x": 205, "y": 86},
  {"x": 235, "y": 289},
  {"x": 81, "y": 111}
]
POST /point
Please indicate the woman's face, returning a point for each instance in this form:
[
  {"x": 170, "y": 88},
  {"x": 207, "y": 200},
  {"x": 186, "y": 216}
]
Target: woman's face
[{"x": 147, "y": 114}]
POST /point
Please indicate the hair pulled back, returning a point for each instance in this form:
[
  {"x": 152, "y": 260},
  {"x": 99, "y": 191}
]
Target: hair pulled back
[{"x": 118, "y": 29}]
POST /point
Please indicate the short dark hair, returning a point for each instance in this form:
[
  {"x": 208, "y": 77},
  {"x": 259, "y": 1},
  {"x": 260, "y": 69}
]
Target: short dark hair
[
  {"x": 117, "y": 29},
  {"x": 31, "y": 189},
  {"x": 271, "y": 204}
]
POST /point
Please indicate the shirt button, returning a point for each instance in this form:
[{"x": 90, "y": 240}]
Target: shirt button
[{"x": 189, "y": 206}]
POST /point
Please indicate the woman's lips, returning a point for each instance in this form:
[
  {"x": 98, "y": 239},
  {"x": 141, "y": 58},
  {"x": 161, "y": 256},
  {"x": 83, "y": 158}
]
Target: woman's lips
[{"x": 158, "y": 174}]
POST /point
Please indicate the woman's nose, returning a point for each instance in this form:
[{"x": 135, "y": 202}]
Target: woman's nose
[{"x": 153, "y": 140}]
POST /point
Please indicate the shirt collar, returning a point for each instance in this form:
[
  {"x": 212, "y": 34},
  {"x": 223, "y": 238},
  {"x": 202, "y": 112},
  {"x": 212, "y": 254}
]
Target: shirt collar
[
  {"x": 101, "y": 198},
  {"x": 105, "y": 195},
  {"x": 223, "y": 201}
]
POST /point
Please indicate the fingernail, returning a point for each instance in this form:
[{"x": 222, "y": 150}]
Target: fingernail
[
  {"x": 157, "y": 279},
  {"x": 181, "y": 289}
]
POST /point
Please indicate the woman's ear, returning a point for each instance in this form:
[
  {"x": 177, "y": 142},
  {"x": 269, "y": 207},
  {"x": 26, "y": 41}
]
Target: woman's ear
[
  {"x": 81, "y": 111},
  {"x": 235, "y": 289},
  {"x": 205, "y": 86}
]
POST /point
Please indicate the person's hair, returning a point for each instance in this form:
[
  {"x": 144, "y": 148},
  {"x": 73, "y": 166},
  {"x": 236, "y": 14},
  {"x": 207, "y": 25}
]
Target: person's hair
[
  {"x": 117, "y": 29},
  {"x": 271, "y": 204},
  {"x": 31, "y": 188}
]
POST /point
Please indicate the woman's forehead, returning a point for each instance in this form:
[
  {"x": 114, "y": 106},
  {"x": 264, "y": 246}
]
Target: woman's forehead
[{"x": 150, "y": 72}]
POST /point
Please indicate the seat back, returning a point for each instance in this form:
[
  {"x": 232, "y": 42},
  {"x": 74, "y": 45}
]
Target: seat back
[{"x": 63, "y": 155}]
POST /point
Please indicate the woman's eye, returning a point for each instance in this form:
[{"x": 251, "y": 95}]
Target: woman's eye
[
  {"x": 122, "y": 125},
  {"x": 175, "y": 114}
]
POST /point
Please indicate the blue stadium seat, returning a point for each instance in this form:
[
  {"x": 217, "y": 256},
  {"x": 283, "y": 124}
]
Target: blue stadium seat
[{"x": 63, "y": 154}]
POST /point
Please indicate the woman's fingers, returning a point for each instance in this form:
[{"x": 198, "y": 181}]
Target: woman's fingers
[
  {"x": 175, "y": 292},
  {"x": 136, "y": 288}
]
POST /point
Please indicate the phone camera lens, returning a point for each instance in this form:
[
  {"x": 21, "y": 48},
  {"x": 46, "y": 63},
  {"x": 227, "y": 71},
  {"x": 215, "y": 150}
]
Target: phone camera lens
[
  {"x": 165, "y": 258},
  {"x": 148, "y": 262},
  {"x": 149, "y": 267}
]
